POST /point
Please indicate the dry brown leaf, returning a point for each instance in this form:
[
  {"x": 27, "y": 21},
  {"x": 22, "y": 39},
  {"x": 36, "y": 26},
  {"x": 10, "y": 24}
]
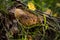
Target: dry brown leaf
[
  {"x": 26, "y": 17},
  {"x": 29, "y": 37}
]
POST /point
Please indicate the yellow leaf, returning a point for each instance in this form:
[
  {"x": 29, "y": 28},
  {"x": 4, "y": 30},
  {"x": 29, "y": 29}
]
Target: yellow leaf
[
  {"x": 55, "y": 14},
  {"x": 58, "y": 4},
  {"x": 31, "y": 6},
  {"x": 48, "y": 11}
]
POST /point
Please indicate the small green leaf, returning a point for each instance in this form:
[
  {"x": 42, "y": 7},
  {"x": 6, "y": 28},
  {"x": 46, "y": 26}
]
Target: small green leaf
[{"x": 45, "y": 24}]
